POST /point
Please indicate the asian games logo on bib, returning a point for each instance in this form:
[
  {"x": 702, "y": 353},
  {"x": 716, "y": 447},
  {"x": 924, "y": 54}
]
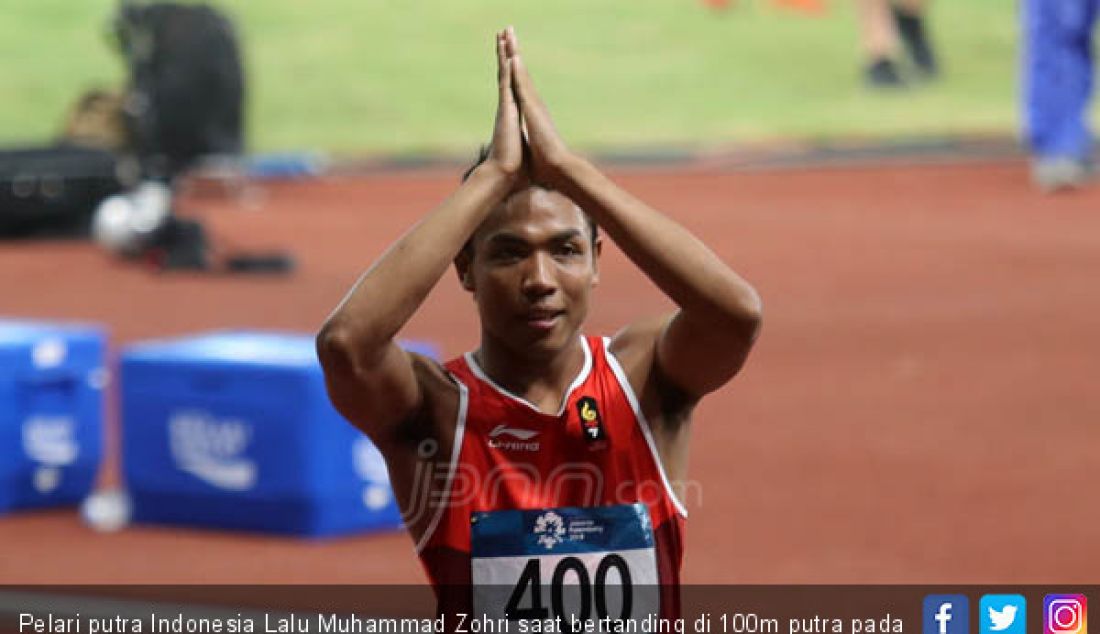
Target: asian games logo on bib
[{"x": 550, "y": 527}]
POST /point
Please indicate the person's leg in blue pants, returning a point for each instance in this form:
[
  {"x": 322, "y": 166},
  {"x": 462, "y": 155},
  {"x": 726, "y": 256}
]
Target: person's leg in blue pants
[{"x": 1058, "y": 81}]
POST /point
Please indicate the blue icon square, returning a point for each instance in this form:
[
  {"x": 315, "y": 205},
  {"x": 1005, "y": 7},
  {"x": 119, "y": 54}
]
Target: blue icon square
[
  {"x": 1002, "y": 614},
  {"x": 946, "y": 614}
]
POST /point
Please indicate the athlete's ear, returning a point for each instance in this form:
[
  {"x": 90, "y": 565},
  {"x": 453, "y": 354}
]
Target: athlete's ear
[
  {"x": 597, "y": 249},
  {"x": 462, "y": 268}
]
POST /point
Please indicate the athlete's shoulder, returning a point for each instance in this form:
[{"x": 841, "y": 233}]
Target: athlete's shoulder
[
  {"x": 635, "y": 346},
  {"x": 456, "y": 365},
  {"x": 439, "y": 401},
  {"x": 432, "y": 374}
]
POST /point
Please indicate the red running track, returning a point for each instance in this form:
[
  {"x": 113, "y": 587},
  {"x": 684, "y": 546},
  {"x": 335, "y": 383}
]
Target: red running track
[{"x": 921, "y": 408}]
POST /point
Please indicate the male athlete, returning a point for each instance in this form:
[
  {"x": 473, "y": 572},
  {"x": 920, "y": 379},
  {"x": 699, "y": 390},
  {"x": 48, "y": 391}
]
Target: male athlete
[{"x": 559, "y": 451}]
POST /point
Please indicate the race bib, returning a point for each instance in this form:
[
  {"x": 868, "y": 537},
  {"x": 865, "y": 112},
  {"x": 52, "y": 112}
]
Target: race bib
[{"x": 572, "y": 564}]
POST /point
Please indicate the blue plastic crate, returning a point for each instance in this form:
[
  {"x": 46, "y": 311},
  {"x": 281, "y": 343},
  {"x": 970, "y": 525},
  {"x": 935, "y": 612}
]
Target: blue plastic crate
[
  {"x": 235, "y": 430},
  {"x": 52, "y": 378}
]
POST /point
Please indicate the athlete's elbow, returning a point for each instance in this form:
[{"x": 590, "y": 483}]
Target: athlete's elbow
[
  {"x": 334, "y": 349},
  {"x": 743, "y": 312},
  {"x": 753, "y": 310},
  {"x": 342, "y": 350}
]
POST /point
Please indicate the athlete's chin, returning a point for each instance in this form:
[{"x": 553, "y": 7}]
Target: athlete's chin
[
  {"x": 547, "y": 343},
  {"x": 543, "y": 349},
  {"x": 538, "y": 344}
]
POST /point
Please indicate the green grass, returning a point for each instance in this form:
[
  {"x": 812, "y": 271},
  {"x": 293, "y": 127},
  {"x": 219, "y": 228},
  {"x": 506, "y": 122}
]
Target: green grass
[{"x": 412, "y": 76}]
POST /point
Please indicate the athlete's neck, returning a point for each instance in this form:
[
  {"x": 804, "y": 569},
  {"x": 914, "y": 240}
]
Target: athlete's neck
[{"x": 542, "y": 381}]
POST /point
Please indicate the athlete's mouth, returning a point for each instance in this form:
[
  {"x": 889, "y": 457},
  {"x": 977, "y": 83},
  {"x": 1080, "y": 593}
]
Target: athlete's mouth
[{"x": 542, "y": 319}]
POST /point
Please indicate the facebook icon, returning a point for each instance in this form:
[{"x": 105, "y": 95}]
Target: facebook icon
[{"x": 946, "y": 614}]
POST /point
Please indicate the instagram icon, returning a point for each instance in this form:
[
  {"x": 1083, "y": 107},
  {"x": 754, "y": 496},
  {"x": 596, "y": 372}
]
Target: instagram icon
[{"x": 1065, "y": 614}]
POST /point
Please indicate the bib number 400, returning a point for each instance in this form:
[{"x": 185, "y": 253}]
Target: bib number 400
[{"x": 588, "y": 589}]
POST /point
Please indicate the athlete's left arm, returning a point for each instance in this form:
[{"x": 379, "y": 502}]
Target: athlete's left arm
[{"x": 705, "y": 343}]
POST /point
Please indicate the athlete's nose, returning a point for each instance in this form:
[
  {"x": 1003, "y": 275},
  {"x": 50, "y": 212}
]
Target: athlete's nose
[{"x": 538, "y": 275}]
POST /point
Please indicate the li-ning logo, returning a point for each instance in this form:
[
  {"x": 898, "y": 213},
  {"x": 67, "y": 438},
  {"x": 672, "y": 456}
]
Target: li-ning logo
[
  {"x": 212, "y": 450},
  {"x": 523, "y": 439},
  {"x": 550, "y": 528}
]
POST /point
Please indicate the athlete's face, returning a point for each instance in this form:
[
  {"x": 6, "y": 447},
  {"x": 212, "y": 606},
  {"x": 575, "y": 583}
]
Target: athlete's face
[{"x": 531, "y": 269}]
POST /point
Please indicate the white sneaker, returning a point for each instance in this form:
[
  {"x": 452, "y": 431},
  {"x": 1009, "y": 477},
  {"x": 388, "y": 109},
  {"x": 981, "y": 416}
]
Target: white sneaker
[{"x": 1061, "y": 173}]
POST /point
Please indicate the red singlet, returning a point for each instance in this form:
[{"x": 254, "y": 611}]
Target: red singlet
[{"x": 597, "y": 451}]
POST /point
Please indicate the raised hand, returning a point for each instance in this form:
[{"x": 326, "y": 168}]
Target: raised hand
[
  {"x": 548, "y": 151},
  {"x": 506, "y": 147}
]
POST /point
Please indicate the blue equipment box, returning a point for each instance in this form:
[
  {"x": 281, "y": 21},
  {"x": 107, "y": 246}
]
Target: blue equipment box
[
  {"x": 235, "y": 430},
  {"x": 52, "y": 378}
]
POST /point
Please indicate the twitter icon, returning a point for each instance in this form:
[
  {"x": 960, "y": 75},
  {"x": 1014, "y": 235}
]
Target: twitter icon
[{"x": 1002, "y": 614}]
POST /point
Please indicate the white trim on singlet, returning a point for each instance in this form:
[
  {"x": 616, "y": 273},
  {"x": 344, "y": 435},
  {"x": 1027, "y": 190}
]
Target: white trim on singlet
[
  {"x": 581, "y": 377},
  {"x": 643, "y": 424},
  {"x": 444, "y": 499}
]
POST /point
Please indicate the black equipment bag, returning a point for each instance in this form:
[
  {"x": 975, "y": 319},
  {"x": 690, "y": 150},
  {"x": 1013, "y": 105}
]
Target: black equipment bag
[
  {"x": 186, "y": 83},
  {"x": 54, "y": 191}
]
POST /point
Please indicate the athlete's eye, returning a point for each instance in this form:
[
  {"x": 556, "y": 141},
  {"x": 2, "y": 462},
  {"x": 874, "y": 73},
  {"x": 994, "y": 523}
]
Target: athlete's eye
[
  {"x": 507, "y": 253},
  {"x": 567, "y": 249}
]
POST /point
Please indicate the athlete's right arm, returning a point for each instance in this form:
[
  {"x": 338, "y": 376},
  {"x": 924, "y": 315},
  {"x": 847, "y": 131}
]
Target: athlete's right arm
[{"x": 370, "y": 379}]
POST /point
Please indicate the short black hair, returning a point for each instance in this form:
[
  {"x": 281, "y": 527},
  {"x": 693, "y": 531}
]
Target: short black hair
[{"x": 482, "y": 156}]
